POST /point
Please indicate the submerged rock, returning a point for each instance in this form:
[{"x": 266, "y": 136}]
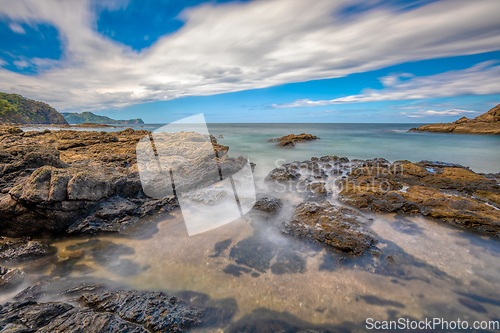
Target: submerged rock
[
  {"x": 291, "y": 139},
  {"x": 336, "y": 227}
]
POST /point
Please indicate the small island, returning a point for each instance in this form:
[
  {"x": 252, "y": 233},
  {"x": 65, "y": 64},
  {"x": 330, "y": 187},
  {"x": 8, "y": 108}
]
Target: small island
[
  {"x": 291, "y": 139},
  {"x": 487, "y": 123}
]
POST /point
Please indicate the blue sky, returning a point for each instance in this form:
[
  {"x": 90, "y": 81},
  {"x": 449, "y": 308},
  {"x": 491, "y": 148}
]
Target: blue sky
[{"x": 415, "y": 61}]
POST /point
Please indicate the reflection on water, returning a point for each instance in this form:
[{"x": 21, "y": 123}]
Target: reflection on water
[{"x": 426, "y": 269}]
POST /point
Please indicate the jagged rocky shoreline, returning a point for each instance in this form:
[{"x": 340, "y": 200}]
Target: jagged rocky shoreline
[
  {"x": 445, "y": 192},
  {"x": 67, "y": 183}
]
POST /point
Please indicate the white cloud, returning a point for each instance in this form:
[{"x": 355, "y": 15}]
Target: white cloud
[
  {"x": 421, "y": 105},
  {"x": 326, "y": 112},
  {"x": 21, "y": 64},
  {"x": 427, "y": 113},
  {"x": 394, "y": 79},
  {"x": 240, "y": 46},
  {"x": 481, "y": 79},
  {"x": 17, "y": 28}
]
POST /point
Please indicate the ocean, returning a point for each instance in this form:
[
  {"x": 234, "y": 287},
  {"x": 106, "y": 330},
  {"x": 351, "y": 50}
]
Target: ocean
[{"x": 362, "y": 141}]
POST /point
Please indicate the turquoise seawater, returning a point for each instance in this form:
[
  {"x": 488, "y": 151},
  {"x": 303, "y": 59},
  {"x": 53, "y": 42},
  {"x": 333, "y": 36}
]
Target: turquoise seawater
[{"x": 391, "y": 141}]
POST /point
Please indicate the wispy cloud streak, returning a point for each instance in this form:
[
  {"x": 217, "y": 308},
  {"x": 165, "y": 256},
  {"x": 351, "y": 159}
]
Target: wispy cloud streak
[
  {"x": 240, "y": 46},
  {"x": 481, "y": 79}
]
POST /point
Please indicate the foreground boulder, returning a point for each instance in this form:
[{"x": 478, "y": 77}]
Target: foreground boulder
[
  {"x": 338, "y": 228},
  {"x": 54, "y": 182},
  {"x": 487, "y": 123},
  {"x": 291, "y": 139},
  {"x": 107, "y": 311}
]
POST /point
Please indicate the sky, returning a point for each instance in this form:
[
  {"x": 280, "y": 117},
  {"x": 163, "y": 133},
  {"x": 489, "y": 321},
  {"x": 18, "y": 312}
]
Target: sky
[{"x": 255, "y": 61}]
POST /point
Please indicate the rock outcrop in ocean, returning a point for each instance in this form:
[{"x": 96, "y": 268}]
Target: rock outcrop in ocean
[
  {"x": 487, "y": 123},
  {"x": 291, "y": 139},
  {"x": 444, "y": 192}
]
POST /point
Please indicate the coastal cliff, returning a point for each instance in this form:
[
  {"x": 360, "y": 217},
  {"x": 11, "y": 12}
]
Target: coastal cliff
[
  {"x": 487, "y": 123},
  {"x": 89, "y": 117},
  {"x": 16, "y": 109}
]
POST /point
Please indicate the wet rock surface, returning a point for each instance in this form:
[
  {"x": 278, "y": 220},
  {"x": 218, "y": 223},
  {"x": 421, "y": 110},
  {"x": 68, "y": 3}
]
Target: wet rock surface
[
  {"x": 446, "y": 192},
  {"x": 54, "y": 179},
  {"x": 442, "y": 191},
  {"x": 10, "y": 278},
  {"x": 106, "y": 311},
  {"x": 18, "y": 249},
  {"x": 283, "y": 173},
  {"x": 291, "y": 139},
  {"x": 268, "y": 205},
  {"x": 336, "y": 227}
]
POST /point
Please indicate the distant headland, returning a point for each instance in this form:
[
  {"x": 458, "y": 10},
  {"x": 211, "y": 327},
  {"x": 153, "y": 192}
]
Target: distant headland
[
  {"x": 19, "y": 110},
  {"x": 89, "y": 117},
  {"x": 487, "y": 123}
]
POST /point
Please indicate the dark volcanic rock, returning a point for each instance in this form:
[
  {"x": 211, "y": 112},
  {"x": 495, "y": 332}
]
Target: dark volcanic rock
[
  {"x": 87, "y": 320},
  {"x": 10, "y": 277},
  {"x": 336, "y": 227},
  {"x": 23, "y": 249},
  {"x": 291, "y": 139},
  {"x": 30, "y": 314},
  {"x": 268, "y": 205},
  {"x": 108, "y": 311},
  {"x": 153, "y": 310},
  {"x": 283, "y": 174}
]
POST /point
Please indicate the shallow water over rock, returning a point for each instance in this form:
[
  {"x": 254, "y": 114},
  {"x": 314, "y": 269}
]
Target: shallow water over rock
[{"x": 425, "y": 269}]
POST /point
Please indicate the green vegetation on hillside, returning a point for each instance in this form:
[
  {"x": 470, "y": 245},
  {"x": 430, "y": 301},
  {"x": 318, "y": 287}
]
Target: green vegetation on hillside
[
  {"x": 89, "y": 117},
  {"x": 16, "y": 109}
]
